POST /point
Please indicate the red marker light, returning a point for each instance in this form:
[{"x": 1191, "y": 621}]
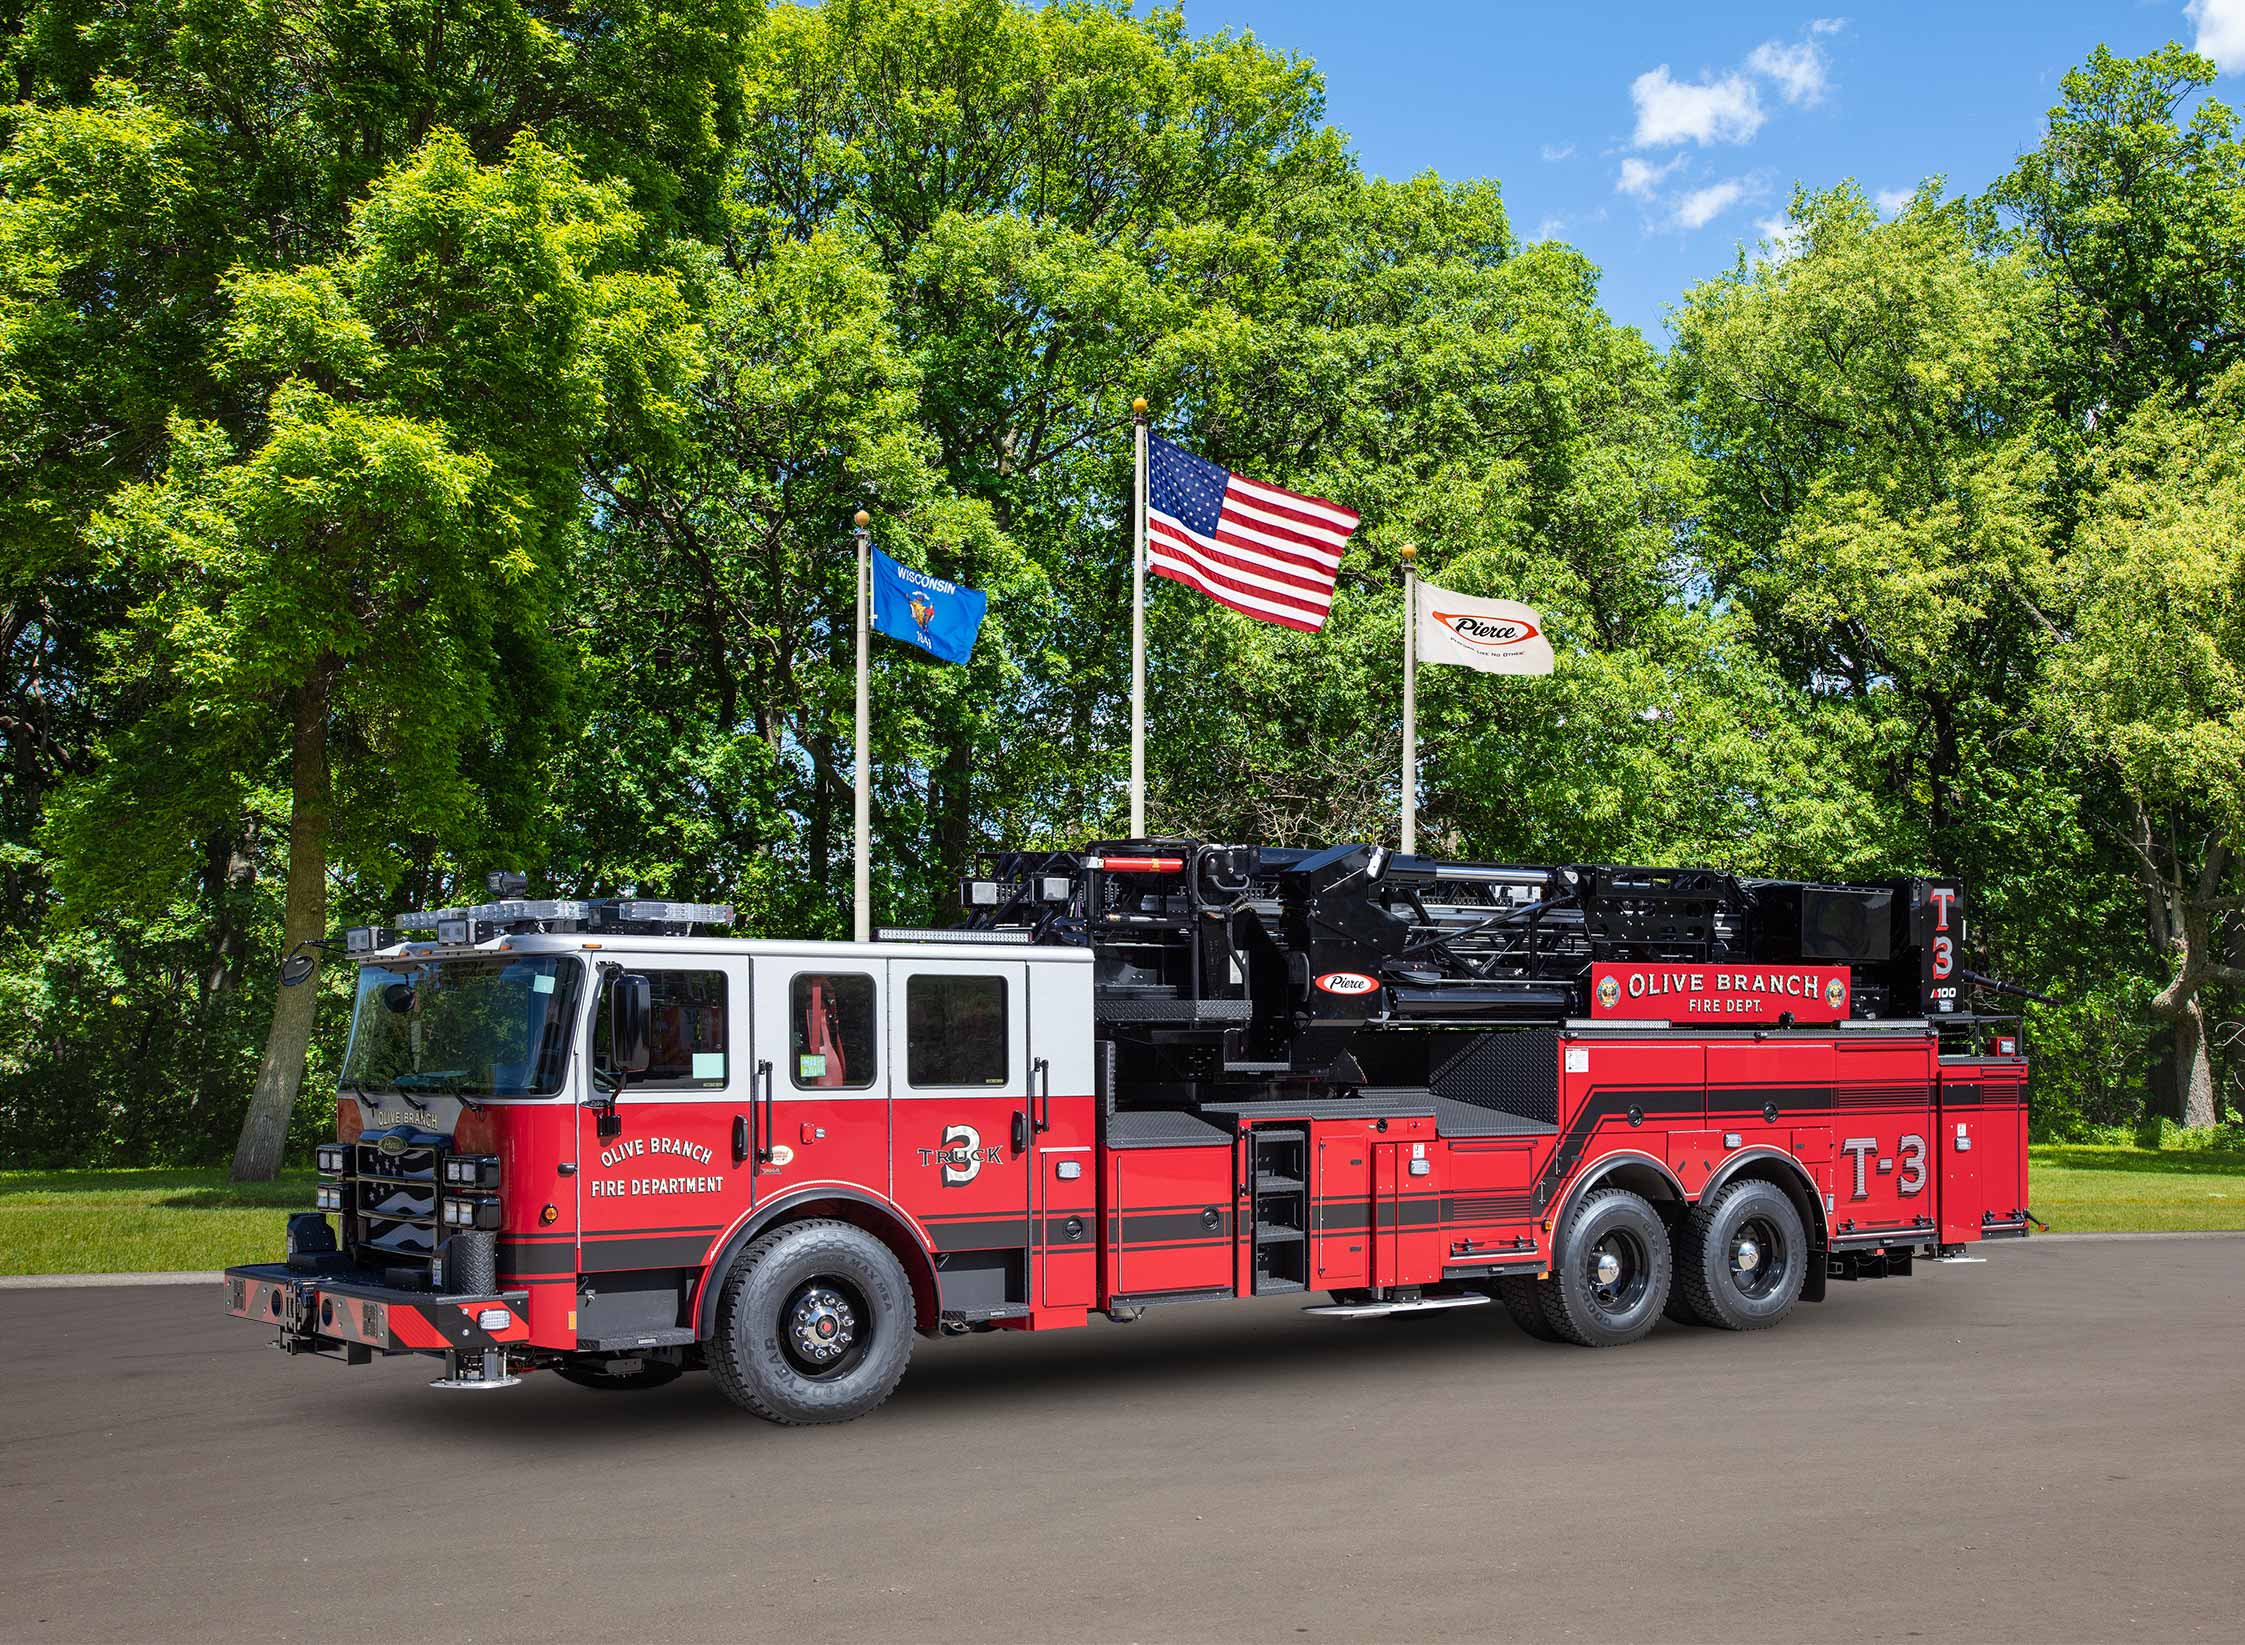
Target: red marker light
[{"x": 1143, "y": 865}]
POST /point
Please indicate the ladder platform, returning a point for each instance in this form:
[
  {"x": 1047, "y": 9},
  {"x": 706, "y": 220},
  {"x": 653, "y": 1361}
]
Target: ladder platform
[{"x": 1372, "y": 1310}]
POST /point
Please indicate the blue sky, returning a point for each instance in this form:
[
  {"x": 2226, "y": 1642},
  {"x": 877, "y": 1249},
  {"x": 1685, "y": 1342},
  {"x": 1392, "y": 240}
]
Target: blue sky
[{"x": 1656, "y": 138}]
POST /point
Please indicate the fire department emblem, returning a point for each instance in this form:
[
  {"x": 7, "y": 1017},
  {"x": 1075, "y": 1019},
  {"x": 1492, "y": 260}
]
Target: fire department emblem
[
  {"x": 1835, "y": 993},
  {"x": 1609, "y": 992}
]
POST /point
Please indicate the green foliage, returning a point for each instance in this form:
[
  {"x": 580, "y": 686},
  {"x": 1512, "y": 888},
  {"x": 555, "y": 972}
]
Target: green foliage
[{"x": 493, "y": 384}]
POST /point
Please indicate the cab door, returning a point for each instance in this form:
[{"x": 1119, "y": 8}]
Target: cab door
[
  {"x": 958, "y": 1042},
  {"x": 821, "y": 1074},
  {"x": 657, "y": 1176}
]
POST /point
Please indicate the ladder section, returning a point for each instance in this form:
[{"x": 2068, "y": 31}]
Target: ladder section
[{"x": 1278, "y": 1189}]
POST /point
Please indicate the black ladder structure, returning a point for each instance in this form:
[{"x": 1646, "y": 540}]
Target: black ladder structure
[{"x": 1278, "y": 1188}]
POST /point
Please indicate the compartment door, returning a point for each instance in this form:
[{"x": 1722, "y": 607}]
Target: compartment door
[
  {"x": 959, "y": 1095},
  {"x": 1341, "y": 1213}
]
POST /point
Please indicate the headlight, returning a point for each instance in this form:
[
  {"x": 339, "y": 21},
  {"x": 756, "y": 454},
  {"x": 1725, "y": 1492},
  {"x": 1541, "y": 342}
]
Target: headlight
[
  {"x": 332, "y": 1159},
  {"x": 481, "y": 1213},
  {"x": 328, "y": 1196},
  {"x": 472, "y": 1171}
]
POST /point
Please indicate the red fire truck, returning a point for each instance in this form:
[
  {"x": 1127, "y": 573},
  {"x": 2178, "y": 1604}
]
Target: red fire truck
[{"x": 579, "y": 1136}]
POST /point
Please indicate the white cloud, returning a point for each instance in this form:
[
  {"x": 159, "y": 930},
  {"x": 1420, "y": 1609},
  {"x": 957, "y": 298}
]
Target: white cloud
[
  {"x": 1797, "y": 69},
  {"x": 1670, "y": 111},
  {"x": 1698, "y": 207},
  {"x": 1559, "y": 151},
  {"x": 1641, "y": 177},
  {"x": 1826, "y": 25},
  {"x": 1892, "y": 200},
  {"x": 1552, "y": 228},
  {"x": 1784, "y": 237},
  {"x": 2221, "y": 32}
]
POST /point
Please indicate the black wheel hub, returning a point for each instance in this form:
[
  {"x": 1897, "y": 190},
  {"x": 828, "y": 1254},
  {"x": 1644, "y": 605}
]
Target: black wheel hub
[
  {"x": 822, "y": 1330},
  {"x": 1617, "y": 1269},
  {"x": 1757, "y": 1258}
]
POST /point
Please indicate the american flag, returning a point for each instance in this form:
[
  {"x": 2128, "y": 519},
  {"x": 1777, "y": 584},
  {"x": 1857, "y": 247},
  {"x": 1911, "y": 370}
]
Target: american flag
[{"x": 1257, "y": 548}]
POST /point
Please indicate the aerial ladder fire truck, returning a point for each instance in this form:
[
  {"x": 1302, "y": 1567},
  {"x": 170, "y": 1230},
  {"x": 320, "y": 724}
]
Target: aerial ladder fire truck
[{"x": 586, "y": 1137}]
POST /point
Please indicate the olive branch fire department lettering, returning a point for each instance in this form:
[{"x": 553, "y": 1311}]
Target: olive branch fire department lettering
[{"x": 640, "y": 1147}]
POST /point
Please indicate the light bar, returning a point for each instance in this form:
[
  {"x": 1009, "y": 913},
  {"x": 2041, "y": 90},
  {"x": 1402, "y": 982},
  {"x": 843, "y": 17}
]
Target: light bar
[
  {"x": 364, "y": 939},
  {"x": 1137, "y": 865},
  {"x": 672, "y": 913},
  {"x": 906, "y": 933}
]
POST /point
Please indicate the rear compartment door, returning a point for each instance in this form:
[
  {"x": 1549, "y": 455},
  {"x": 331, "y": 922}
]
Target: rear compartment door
[{"x": 1981, "y": 1135}]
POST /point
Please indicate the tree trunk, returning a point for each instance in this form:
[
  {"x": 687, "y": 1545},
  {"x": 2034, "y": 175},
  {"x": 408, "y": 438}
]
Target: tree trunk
[
  {"x": 257, "y": 1157},
  {"x": 2194, "y": 1068}
]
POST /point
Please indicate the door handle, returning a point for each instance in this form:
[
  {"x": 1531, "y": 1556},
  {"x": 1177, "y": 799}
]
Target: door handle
[
  {"x": 764, "y": 1141},
  {"x": 1020, "y": 1132},
  {"x": 1041, "y": 1072},
  {"x": 740, "y": 1137}
]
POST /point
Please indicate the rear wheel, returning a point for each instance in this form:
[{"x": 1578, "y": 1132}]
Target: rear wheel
[
  {"x": 1523, "y": 1300},
  {"x": 814, "y": 1325},
  {"x": 1610, "y": 1278},
  {"x": 1742, "y": 1257},
  {"x": 652, "y": 1373}
]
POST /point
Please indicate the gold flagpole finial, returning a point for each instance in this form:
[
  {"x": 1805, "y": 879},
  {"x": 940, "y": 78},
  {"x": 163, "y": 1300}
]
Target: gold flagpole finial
[
  {"x": 1138, "y": 408},
  {"x": 1408, "y": 552},
  {"x": 861, "y": 519}
]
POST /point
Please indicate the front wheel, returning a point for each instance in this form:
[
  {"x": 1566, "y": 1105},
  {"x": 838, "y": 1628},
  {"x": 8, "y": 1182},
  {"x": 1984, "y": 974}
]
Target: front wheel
[
  {"x": 1609, "y": 1279},
  {"x": 1742, "y": 1257},
  {"x": 814, "y": 1325}
]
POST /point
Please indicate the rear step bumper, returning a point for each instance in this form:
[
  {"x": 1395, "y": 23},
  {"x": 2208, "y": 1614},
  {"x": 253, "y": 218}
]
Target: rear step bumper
[{"x": 340, "y": 1313}]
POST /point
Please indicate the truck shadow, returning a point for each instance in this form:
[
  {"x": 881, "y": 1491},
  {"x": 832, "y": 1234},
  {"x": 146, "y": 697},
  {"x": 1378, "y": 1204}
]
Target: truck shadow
[{"x": 1077, "y": 1372}]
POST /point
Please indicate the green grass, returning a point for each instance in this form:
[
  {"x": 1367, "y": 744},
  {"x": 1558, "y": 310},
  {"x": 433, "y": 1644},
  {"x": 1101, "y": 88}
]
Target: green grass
[
  {"x": 137, "y": 1222},
  {"x": 2080, "y": 1189},
  {"x": 114, "y": 1222}
]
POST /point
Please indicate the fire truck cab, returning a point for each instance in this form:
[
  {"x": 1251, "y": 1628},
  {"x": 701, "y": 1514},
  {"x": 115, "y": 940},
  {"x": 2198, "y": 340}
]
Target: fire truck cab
[{"x": 584, "y": 1138}]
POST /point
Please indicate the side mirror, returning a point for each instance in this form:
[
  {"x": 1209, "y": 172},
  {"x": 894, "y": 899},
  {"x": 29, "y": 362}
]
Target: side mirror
[{"x": 631, "y": 1006}]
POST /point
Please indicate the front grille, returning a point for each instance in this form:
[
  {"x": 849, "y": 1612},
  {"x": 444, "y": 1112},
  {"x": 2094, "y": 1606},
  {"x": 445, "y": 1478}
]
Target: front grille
[{"x": 394, "y": 1205}]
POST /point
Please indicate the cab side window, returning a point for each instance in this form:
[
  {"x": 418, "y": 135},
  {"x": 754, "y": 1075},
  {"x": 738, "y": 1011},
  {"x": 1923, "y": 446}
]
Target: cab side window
[
  {"x": 955, "y": 1030},
  {"x": 688, "y": 1037},
  {"x": 833, "y": 1030}
]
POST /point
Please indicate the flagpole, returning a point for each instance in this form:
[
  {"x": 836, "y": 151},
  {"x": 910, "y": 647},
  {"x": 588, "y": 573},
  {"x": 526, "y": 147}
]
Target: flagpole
[
  {"x": 1138, "y": 626},
  {"x": 864, "y": 795},
  {"x": 1410, "y": 701}
]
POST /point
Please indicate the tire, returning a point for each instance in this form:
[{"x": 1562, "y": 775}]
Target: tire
[
  {"x": 651, "y": 1374},
  {"x": 1742, "y": 1257},
  {"x": 1523, "y": 1300},
  {"x": 798, "y": 1294},
  {"x": 1610, "y": 1278}
]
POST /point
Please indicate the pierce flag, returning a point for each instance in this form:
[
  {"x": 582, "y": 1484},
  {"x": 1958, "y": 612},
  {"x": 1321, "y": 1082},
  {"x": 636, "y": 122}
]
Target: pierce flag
[
  {"x": 941, "y": 618},
  {"x": 1494, "y": 636}
]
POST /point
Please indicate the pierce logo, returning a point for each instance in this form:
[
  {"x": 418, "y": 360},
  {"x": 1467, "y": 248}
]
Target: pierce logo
[
  {"x": 1347, "y": 983},
  {"x": 1488, "y": 633}
]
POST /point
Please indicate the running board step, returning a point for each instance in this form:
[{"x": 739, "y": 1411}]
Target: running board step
[{"x": 1371, "y": 1310}]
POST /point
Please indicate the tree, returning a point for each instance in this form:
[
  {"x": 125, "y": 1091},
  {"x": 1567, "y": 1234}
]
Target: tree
[
  {"x": 2132, "y": 222},
  {"x": 361, "y": 568},
  {"x": 1876, "y": 496},
  {"x": 2152, "y": 679}
]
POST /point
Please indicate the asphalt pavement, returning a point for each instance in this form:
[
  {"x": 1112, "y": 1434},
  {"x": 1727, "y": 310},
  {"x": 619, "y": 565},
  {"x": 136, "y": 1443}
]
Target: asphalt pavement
[{"x": 2042, "y": 1448}]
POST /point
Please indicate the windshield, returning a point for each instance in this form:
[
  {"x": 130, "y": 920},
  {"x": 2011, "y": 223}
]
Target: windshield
[{"x": 496, "y": 1027}]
